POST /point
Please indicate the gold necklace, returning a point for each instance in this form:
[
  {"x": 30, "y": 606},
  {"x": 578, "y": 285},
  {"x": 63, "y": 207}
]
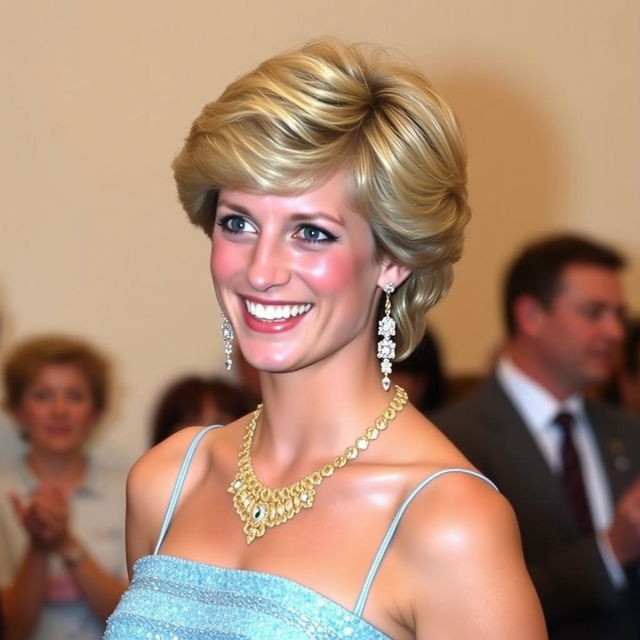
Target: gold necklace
[{"x": 261, "y": 507}]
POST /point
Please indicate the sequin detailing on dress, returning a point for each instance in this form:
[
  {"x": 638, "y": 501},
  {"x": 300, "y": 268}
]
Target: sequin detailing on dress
[{"x": 174, "y": 599}]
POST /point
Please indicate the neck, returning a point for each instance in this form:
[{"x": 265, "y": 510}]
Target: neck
[
  {"x": 312, "y": 414},
  {"x": 64, "y": 470},
  {"x": 528, "y": 360}
]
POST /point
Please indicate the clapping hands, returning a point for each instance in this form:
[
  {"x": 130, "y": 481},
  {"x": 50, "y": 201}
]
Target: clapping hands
[{"x": 45, "y": 516}]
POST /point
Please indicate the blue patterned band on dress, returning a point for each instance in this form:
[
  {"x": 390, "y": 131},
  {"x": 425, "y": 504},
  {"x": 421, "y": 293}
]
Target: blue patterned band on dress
[{"x": 175, "y": 599}]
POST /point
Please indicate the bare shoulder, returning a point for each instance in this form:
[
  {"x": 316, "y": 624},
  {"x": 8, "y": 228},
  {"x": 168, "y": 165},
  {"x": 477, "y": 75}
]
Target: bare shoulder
[
  {"x": 457, "y": 512},
  {"x": 153, "y": 476},
  {"x": 461, "y": 550}
]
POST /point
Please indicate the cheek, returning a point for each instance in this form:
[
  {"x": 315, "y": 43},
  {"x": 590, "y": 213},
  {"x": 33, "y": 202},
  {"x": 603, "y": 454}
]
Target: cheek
[
  {"x": 85, "y": 413},
  {"x": 30, "y": 414},
  {"x": 225, "y": 260},
  {"x": 332, "y": 271}
]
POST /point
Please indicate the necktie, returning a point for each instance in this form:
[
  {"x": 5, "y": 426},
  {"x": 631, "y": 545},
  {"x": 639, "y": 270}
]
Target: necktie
[{"x": 572, "y": 473}]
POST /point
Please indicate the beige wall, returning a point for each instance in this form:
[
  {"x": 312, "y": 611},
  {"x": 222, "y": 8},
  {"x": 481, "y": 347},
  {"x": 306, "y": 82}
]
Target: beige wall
[{"x": 96, "y": 97}]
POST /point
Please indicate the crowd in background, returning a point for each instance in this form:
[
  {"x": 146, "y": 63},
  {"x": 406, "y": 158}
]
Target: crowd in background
[{"x": 62, "y": 563}]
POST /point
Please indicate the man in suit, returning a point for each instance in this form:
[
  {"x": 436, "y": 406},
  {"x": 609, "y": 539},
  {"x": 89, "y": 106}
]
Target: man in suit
[{"x": 569, "y": 466}]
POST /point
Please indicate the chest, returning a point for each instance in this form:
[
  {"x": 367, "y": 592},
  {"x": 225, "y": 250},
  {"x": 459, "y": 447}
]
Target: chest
[{"x": 328, "y": 548}]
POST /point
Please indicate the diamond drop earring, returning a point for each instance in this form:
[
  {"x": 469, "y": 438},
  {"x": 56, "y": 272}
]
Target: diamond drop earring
[
  {"x": 227, "y": 338},
  {"x": 386, "y": 346}
]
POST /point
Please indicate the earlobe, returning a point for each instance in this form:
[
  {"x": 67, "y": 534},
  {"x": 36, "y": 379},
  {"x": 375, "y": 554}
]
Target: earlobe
[{"x": 392, "y": 273}]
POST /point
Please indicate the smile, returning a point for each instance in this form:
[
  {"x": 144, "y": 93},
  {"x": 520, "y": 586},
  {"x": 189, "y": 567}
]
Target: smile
[{"x": 275, "y": 312}]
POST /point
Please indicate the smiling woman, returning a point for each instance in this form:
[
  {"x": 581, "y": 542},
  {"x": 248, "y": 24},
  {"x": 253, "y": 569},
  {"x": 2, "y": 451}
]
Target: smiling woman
[
  {"x": 332, "y": 183},
  {"x": 61, "y": 514}
]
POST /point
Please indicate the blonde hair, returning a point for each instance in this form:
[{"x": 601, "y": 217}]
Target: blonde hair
[{"x": 301, "y": 116}]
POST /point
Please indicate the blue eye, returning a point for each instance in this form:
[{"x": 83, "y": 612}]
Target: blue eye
[
  {"x": 234, "y": 223},
  {"x": 315, "y": 235}
]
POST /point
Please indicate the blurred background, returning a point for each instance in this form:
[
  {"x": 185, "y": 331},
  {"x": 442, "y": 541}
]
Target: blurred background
[{"x": 97, "y": 97}]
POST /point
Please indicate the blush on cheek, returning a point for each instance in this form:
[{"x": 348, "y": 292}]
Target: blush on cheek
[
  {"x": 330, "y": 272},
  {"x": 224, "y": 260}
]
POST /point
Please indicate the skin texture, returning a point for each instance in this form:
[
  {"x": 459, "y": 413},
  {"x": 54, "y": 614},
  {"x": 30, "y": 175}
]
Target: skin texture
[
  {"x": 455, "y": 569},
  {"x": 571, "y": 344},
  {"x": 57, "y": 412}
]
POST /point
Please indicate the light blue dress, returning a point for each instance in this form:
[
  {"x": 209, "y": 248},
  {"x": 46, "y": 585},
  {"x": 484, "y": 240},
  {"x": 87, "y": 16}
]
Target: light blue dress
[{"x": 176, "y": 599}]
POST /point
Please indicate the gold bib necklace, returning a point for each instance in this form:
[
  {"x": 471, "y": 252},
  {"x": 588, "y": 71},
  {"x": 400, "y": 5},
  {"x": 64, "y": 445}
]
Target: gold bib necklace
[{"x": 261, "y": 507}]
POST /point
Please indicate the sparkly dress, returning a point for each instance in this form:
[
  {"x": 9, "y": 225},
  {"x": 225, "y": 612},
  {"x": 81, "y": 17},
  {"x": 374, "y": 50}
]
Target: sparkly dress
[{"x": 172, "y": 598}]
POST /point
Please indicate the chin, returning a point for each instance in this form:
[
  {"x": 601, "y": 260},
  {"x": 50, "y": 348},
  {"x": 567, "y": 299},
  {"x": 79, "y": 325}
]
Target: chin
[{"x": 271, "y": 364}]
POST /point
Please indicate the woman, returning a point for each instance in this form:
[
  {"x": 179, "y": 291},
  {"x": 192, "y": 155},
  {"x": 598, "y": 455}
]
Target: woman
[
  {"x": 61, "y": 515},
  {"x": 195, "y": 400},
  {"x": 331, "y": 182}
]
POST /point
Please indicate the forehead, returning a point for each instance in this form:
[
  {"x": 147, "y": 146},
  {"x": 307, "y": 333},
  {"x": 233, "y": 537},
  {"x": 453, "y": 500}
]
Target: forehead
[
  {"x": 59, "y": 372},
  {"x": 590, "y": 282},
  {"x": 332, "y": 197}
]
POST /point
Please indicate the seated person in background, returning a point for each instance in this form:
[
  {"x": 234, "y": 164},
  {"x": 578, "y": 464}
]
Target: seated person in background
[
  {"x": 62, "y": 562},
  {"x": 194, "y": 400},
  {"x": 422, "y": 375},
  {"x": 568, "y": 465}
]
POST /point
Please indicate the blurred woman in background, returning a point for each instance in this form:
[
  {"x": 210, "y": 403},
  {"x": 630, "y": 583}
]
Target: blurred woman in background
[
  {"x": 194, "y": 400},
  {"x": 62, "y": 563}
]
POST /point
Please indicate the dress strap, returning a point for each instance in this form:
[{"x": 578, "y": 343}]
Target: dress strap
[
  {"x": 177, "y": 487},
  {"x": 386, "y": 541}
]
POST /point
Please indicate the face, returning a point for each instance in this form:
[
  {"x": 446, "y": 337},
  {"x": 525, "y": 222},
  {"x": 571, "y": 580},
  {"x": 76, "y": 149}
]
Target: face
[
  {"x": 581, "y": 332},
  {"x": 296, "y": 275},
  {"x": 57, "y": 409}
]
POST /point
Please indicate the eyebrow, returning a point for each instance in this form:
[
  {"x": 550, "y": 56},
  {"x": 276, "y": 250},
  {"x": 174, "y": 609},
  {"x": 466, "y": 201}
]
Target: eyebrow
[
  {"x": 314, "y": 215},
  {"x": 298, "y": 216}
]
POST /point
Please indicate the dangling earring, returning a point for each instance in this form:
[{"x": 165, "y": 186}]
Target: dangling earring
[
  {"x": 386, "y": 346},
  {"x": 227, "y": 338}
]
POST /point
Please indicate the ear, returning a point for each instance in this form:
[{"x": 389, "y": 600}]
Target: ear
[
  {"x": 529, "y": 315},
  {"x": 393, "y": 273}
]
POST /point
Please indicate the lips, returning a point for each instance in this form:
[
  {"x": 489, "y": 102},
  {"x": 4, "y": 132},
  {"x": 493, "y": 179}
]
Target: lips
[{"x": 275, "y": 312}]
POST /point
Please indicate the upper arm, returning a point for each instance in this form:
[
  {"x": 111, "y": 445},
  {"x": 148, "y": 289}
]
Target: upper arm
[
  {"x": 468, "y": 573},
  {"x": 140, "y": 516},
  {"x": 149, "y": 487}
]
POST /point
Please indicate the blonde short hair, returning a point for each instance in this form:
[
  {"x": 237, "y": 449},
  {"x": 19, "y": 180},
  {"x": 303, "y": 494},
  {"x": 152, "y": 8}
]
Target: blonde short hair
[{"x": 301, "y": 116}]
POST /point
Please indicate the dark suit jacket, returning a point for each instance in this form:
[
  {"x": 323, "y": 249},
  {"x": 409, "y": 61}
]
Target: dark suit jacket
[{"x": 578, "y": 597}]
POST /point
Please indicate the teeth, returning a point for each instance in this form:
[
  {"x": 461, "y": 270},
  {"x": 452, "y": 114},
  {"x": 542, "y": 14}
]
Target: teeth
[{"x": 274, "y": 313}]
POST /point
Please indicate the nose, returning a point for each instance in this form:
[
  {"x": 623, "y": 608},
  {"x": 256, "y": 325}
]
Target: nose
[
  {"x": 59, "y": 404},
  {"x": 268, "y": 266}
]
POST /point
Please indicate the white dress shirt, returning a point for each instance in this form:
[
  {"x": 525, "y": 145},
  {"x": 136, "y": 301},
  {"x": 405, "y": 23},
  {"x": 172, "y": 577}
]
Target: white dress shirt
[{"x": 538, "y": 409}]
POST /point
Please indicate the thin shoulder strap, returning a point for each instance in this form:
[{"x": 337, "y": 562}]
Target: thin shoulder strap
[
  {"x": 377, "y": 560},
  {"x": 177, "y": 487}
]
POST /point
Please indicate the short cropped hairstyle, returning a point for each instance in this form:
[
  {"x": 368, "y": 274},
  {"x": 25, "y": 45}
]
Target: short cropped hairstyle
[
  {"x": 26, "y": 360},
  {"x": 537, "y": 271},
  {"x": 302, "y": 116}
]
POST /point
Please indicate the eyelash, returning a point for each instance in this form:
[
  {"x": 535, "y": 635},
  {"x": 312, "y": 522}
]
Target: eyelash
[
  {"x": 329, "y": 237},
  {"x": 226, "y": 221}
]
